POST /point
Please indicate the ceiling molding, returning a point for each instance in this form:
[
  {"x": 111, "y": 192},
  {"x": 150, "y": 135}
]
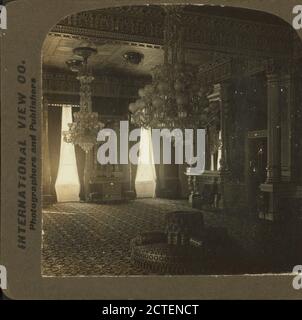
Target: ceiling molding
[{"x": 203, "y": 32}]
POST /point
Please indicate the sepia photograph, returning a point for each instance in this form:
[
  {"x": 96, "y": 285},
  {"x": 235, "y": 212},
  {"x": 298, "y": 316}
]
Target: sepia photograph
[
  {"x": 150, "y": 152},
  {"x": 171, "y": 143}
]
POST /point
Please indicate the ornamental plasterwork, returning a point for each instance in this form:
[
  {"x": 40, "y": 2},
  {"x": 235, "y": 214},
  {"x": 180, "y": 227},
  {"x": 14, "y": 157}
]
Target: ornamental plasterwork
[{"x": 202, "y": 32}]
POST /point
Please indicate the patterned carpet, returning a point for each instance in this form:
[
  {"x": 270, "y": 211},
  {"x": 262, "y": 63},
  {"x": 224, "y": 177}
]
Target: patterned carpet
[{"x": 82, "y": 239}]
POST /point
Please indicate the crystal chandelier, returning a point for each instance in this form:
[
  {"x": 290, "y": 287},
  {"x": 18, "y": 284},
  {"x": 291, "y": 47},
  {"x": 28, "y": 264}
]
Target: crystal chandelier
[
  {"x": 86, "y": 125},
  {"x": 173, "y": 99}
]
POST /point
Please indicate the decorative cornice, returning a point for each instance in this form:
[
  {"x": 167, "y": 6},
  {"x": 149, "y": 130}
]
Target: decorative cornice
[
  {"x": 231, "y": 68},
  {"x": 208, "y": 32},
  {"x": 104, "y": 86},
  {"x": 102, "y": 37},
  {"x": 238, "y": 67}
]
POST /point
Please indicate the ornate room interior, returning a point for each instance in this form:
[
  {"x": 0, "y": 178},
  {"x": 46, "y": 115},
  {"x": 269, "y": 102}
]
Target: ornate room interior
[{"x": 242, "y": 71}]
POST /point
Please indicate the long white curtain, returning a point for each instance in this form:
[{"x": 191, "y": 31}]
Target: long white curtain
[
  {"x": 67, "y": 184},
  {"x": 145, "y": 182}
]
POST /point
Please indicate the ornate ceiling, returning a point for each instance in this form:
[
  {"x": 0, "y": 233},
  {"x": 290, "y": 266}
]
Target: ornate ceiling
[
  {"x": 212, "y": 34},
  {"x": 110, "y": 56}
]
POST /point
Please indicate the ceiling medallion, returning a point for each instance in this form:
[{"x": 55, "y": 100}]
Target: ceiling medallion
[
  {"x": 133, "y": 57},
  {"x": 174, "y": 99},
  {"x": 75, "y": 63}
]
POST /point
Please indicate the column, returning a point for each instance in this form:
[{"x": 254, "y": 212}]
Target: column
[
  {"x": 221, "y": 96},
  {"x": 296, "y": 170},
  {"x": 273, "y": 127},
  {"x": 225, "y": 132},
  {"x": 286, "y": 127},
  {"x": 225, "y": 135},
  {"x": 208, "y": 166},
  {"x": 271, "y": 197}
]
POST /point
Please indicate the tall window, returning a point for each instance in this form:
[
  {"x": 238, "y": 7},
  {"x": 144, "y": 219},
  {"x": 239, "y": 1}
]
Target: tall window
[
  {"x": 67, "y": 184},
  {"x": 145, "y": 182}
]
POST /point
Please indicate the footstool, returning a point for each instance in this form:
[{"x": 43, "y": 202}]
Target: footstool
[{"x": 178, "y": 250}]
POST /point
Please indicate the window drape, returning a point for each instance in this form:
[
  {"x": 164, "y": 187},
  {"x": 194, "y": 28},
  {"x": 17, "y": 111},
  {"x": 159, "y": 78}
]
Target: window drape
[
  {"x": 145, "y": 182},
  {"x": 67, "y": 184}
]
